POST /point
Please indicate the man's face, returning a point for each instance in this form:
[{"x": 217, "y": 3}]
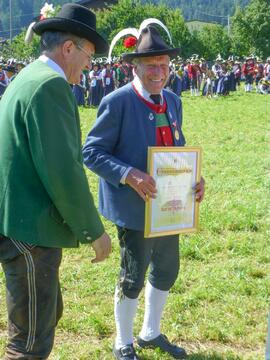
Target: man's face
[
  {"x": 79, "y": 59},
  {"x": 153, "y": 72}
]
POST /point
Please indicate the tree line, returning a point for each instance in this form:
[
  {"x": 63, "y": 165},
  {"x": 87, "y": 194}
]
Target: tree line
[
  {"x": 205, "y": 10},
  {"x": 250, "y": 29}
]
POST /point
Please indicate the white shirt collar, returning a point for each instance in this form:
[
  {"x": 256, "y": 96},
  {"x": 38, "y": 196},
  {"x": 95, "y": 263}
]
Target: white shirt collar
[
  {"x": 141, "y": 90},
  {"x": 53, "y": 65}
]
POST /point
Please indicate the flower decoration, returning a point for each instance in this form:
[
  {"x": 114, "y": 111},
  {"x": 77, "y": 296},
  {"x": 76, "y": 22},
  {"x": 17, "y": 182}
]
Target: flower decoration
[
  {"x": 130, "y": 42},
  {"x": 135, "y": 35},
  {"x": 47, "y": 11}
]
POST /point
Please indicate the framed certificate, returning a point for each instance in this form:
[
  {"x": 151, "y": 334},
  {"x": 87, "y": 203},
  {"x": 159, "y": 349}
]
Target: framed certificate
[{"x": 175, "y": 210}]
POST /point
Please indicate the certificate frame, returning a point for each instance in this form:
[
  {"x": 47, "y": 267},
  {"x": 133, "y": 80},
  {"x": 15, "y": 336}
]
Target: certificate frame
[{"x": 172, "y": 212}]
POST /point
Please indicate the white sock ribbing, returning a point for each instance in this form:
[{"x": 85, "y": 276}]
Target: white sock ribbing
[
  {"x": 155, "y": 300},
  {"x": 124, "y": 313}
]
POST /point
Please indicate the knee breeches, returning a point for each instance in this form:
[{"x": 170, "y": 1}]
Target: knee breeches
[{"x": 138, "y": 253}]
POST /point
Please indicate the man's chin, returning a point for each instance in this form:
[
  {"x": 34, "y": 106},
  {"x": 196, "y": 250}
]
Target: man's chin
[{"x": 156, "y": 88}]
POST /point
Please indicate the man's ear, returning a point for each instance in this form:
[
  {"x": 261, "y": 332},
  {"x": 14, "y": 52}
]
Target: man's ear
[
  {"x": 135, "y": 67},
  {"x": 67, "y": 47}
]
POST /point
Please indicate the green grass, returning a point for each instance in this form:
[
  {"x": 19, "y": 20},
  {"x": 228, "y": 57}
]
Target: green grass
[{"x": 219, "y": 304}]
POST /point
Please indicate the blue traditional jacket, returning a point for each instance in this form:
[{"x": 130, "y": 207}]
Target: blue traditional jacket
[{"x": 124, "y": 129}]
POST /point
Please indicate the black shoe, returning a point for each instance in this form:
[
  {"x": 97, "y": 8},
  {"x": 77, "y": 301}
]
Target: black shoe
[
  {"x": 161, "y": 342},
  {"x": 125, "y": 353}
]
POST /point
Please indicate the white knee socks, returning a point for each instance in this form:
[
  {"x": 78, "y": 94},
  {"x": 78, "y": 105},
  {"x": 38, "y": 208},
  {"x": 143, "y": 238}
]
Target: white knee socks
[
  {"x": 155, "y": 300},
  {"x": 124, "y": 313}
]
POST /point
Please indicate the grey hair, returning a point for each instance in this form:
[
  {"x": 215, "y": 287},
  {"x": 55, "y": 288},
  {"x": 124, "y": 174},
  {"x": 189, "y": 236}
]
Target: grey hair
[
  {"x": 136, "y": 61},
  {"x": 52, "y": 39}
]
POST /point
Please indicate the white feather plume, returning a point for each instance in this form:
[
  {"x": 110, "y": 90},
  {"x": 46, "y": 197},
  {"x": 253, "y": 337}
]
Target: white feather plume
[
  {"x": 128, "y": 31},
  {"x": 149, "y": 21},
  {"x": 29, "y": 33}
]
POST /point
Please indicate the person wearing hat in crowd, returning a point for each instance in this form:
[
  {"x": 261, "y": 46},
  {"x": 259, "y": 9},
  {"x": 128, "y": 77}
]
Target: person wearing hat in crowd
[
  {"x": 4, "y": 80},
  {"x": 95, "y": 84},
  {"x": 186, "y": 81},
  {"x": 10, "y": 72},
  {"x": 45, "y": 202},
  {"x": 174, "y": 81},
  {"x": 259, "y": 72},
  {"x": 129, "y": 120},
  {"x": 122, "y": 75},
  {"x": 108, "y": 78},
  {"x": 231, "y": 74},
  {"x": 248, "y": 70},
  {"x": 79, "y": 90},
  {"x": 267, "y": 68},
  {"x": 204, "y": 68},
  {"x": 194, "y": 74},
  {"x": 19, "y": 66},
  {"x": 217, "y": 70},
  {"x": 237, "y": 72}
]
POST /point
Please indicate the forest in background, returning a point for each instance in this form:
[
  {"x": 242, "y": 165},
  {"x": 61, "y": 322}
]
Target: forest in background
[
  {"x": 204, "y": 10},
  {"x": 247, "y": 34},
  {"x": 23, "y": 11}
]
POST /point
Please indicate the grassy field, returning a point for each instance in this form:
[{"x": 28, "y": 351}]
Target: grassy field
[{"x": 219, "y": 304}]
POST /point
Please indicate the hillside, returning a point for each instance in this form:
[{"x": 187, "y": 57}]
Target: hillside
[
  {"x": 23, "y": 11},
  {"x": 204, "y": 10}
]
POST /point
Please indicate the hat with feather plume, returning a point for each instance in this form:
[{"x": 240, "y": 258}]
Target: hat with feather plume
[{"x": 149, "y": 41}]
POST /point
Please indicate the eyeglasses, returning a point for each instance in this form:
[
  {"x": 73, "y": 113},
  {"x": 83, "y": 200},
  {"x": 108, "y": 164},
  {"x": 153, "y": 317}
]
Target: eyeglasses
[{"x": 85, "y": 52}]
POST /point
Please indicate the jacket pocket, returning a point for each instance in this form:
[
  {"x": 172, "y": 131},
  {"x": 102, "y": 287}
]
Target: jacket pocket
[{"x": 57, "y": 217}]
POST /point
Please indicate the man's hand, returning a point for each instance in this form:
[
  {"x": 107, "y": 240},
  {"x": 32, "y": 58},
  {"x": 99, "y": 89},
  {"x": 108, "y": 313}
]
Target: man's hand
[
  {"x": 102, "y": 247},
  {"x": 199, "y": 190},
  {"x": 142, "y": 183}
]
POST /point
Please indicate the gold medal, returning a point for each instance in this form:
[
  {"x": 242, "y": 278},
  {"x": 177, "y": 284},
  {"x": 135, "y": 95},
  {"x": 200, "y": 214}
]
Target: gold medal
[{"x": 176, "y": 134}]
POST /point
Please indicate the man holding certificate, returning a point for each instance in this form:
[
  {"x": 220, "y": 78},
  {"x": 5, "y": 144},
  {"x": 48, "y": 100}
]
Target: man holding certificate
[{"x": 132, "y": 118}]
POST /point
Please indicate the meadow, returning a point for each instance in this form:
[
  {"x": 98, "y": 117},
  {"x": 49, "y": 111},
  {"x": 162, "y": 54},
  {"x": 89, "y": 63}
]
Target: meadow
[{"x": 219, "y": 305}]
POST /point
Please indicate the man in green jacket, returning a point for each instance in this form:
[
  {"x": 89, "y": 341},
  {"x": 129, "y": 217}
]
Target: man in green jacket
[{"x": 45, "y": 202}]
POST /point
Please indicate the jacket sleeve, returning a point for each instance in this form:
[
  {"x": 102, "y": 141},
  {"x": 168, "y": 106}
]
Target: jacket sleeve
[
  {"x": 180, "y": 117},
  {"x": 53, "y": 130},
  {"x": 99, "y": 148}
]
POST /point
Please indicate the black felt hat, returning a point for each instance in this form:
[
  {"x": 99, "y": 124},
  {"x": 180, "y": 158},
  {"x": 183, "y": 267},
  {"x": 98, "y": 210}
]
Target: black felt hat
[
  {"x": 150, "y": 43},
  {"x": 75, "y": 19}
]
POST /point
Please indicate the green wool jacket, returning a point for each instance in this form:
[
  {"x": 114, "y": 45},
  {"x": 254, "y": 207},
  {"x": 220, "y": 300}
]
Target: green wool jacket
[{"x": 44, "y": 194}]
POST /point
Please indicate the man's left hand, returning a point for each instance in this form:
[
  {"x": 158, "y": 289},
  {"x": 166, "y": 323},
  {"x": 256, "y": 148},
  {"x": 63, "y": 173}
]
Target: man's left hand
[{"x": 199, "y": 190}]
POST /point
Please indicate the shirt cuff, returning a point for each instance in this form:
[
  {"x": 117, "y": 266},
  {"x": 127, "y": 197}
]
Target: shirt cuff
[{"x": 123, "y": 178}]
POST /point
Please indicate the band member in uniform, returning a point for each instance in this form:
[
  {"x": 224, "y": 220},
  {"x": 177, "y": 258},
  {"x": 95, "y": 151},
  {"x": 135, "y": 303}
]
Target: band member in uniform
[
  {"x": 248, "y": 70},
  {"x": 108, "y": 79}
]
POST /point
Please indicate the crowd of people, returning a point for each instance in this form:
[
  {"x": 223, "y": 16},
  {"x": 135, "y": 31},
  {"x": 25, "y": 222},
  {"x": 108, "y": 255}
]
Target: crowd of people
[{"x": 195, "y": 74}]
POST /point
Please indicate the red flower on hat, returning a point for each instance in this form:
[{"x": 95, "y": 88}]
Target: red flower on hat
[{"x": 130, "y": 42}]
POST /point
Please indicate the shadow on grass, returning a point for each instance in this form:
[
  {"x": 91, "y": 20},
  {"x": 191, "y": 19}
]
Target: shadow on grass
[
  {"x": 197, "y": 356},
  {"x": 201, "y": 356}
]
